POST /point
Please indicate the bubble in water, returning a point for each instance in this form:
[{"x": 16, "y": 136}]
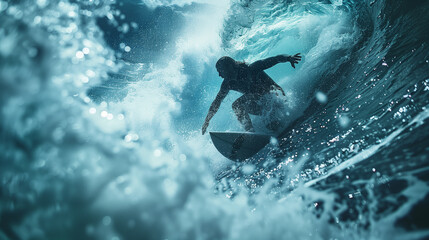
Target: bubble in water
[
  {"x": 79, "y": 54},
  {"x": 248, "y": 169},
  {"x": 273, "y": 141},
  {"x": 41, "y": 3},
  {"x": 72, "y": 14},
  {"x": 128, "y": 138},
  {"x": 92, "y": 110},
  {"x": 131, "y": 137},
  {"x": 134, "y": 25},
  {"x": 37, "y": 19},
  {"x": 85, "y": 50},
  {"x": 106, "y": 220},
  {"x": 344, "y": 121},
  {"x": 182, "y": 157},
  {"x": 84, "y": 79},
  {"x": 321, "y": 97},
  {"x": 157, "y": 153},
  {"x": 90, "y": 73},
  {"x": 127, "y": 49}
]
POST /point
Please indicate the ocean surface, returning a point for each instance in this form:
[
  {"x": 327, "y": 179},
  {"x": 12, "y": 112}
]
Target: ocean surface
[{"x": 102, "y": 104}]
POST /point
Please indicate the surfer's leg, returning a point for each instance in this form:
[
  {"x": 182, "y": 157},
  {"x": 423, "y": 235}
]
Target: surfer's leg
[
  {"x": 240, "y": 111},
  {"x": 243, "y": 106}
]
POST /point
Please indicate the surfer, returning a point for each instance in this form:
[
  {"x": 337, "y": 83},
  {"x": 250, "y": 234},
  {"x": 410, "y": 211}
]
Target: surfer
[{"x": 251, "y": 81}]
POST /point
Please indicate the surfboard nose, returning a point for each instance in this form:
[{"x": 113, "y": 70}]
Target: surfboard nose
[{"x": 239, "y": 146}]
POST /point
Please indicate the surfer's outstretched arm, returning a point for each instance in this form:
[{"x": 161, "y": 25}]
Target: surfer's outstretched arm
[
  {"x": 214, "y": 107},
  {"x": 271, "y": 61}
]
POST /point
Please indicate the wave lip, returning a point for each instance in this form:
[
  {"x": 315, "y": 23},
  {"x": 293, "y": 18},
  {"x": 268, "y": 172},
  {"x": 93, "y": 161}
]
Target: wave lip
[{"x": 73, "y": 167}]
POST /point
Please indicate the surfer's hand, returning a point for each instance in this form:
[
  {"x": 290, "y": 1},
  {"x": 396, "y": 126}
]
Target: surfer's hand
[
  {"x": 205, "y": 125},
  {"x": 294, "y": 59},
  {"x": 274, "y": 88}
]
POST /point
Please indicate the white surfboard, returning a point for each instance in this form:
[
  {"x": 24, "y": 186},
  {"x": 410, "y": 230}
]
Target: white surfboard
[{"x": 239, "y": 146}]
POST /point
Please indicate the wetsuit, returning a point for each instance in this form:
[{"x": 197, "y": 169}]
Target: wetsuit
[{"x": 253, "y": 83}]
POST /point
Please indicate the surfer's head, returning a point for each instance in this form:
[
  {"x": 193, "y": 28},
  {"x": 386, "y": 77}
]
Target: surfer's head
[{"x": 225, "y": 66}]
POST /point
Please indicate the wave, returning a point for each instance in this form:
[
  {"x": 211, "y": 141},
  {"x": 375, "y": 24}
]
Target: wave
[{"x": 100, "y": 140}]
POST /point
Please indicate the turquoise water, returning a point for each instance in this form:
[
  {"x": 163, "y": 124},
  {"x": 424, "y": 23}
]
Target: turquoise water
[{"x": 102, "y": 104}]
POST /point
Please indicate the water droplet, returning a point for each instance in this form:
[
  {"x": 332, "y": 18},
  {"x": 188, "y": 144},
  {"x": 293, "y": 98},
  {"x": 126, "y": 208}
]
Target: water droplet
[
  {"x": 84, "y": 79},
  {"x": 79, "y": 54},
  {"x": 344, "y": 121},
  {"x": 128, "y": 138},
  {"x": 248, "y": 169},
  {"x": 273, "y": 141},
  {"x": 106, "y": 220},
  {"x": 41, "y": 3},
  {"x": 90, "y": 73},
  {"x": 157, "y": 153},
  {"x": 321, "y": 97},
  {"x": 85, "y": 50},
  {"x": 131, "y": 137}
]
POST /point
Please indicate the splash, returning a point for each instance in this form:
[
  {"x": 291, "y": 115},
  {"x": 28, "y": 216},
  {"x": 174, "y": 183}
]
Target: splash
[{"x": 96, "y": 146}]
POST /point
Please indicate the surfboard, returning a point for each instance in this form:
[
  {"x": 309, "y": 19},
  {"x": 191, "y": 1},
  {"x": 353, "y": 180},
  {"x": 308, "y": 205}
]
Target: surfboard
[{"x": 239, "y": 146}]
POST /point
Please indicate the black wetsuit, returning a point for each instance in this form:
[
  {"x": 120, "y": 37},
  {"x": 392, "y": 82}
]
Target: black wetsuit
[
  {"x": 253, "y": 83},
  {"x": 250, "y": 80}
]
